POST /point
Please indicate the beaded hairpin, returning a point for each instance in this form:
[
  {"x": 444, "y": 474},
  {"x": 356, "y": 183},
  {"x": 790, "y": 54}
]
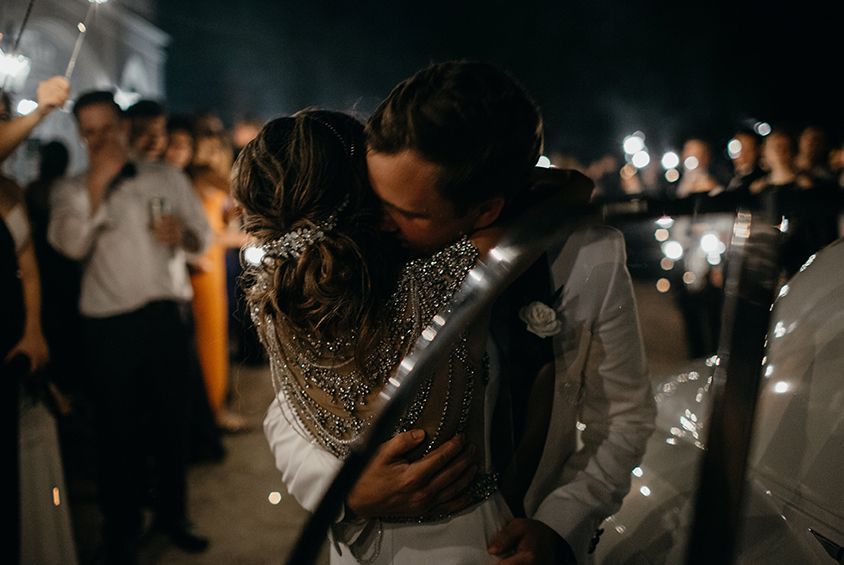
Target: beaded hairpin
[{"x": 294, "y": 242}]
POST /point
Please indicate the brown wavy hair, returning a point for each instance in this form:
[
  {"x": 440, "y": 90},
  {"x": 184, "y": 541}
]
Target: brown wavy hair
[
  {"x": 473, "y": 120},
  {"x": 296, "y": 173}
]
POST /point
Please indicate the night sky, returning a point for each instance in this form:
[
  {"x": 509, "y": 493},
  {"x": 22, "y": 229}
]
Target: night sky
[{"x": 599, "y": 70}]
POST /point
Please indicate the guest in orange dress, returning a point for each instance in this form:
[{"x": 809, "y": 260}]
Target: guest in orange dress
[{"x": 210, "y": 173}]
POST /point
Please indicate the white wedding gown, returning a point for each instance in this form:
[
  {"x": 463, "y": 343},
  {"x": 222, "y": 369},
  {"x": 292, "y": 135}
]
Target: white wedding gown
[
  {"x": 461, "y": 539},
  {"x": 459, "y": 396}
]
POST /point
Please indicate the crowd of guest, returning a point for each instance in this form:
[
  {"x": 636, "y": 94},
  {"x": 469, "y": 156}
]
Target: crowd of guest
[
  {"x": 794, "y": 179},
  {"x": 127, "y": 321},
  {"x": 747, "y": 156}
]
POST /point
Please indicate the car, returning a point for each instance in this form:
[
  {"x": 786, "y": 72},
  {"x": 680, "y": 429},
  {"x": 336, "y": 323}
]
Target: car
[{"x": 793, "y": 504}]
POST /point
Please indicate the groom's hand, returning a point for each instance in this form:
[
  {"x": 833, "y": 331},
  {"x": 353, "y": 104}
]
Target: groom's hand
[
  {"x": 434, "y": 484},
  {"x": 528, "y": 542}
]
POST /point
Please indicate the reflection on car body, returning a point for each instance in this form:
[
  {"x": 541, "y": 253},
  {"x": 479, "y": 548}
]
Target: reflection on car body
[{"x": 794, "y": 502}]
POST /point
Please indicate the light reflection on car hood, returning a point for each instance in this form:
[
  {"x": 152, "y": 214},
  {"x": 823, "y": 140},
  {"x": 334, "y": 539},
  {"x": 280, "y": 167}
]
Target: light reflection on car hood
[{"x": 797, "y": 456}]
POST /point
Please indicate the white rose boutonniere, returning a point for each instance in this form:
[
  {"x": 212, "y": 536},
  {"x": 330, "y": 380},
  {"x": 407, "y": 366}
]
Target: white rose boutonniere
[{"x": 541, "y": 319}]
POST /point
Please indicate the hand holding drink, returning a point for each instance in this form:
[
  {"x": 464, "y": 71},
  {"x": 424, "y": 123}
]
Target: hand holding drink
[{"x": 166, "y": 227}]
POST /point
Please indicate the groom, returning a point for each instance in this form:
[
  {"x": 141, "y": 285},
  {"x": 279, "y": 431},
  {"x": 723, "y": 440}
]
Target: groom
[{"x": 448, "y": 150}]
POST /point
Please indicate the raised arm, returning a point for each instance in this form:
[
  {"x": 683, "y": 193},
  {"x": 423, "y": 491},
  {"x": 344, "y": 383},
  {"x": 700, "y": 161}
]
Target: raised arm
[{"x": 51, "y": 94}]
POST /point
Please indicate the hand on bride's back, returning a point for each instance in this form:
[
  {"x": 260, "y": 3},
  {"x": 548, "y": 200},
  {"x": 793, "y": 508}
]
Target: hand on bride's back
[{"x": 393, "y": 486}]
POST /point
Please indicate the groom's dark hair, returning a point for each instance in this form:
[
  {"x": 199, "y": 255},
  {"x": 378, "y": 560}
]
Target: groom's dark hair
[{"x": 473, "y": 120}]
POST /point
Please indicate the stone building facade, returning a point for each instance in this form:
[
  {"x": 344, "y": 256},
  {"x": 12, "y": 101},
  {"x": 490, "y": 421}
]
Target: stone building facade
[{"x": 123, "y": 51}]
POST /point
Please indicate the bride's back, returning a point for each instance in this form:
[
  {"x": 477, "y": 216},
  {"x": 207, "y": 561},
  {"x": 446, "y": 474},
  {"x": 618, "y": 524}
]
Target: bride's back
[{"x": 336, "y": 311}]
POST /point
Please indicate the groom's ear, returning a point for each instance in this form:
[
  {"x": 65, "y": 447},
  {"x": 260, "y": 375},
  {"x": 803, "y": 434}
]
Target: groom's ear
[{"x": 488, "y": 212}]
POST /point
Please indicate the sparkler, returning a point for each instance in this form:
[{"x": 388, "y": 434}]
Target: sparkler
[
  {"x": 83, "y": 30},
  {"x": 23, "y": 26}
]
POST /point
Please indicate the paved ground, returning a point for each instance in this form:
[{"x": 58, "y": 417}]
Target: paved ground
[
  {"x": 662, "y": 330},
  {"x": 230, "y": 501}
]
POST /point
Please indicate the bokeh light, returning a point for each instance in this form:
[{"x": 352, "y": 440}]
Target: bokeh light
[
  {"x": 734, "y": 148},
  {"x": 641, "y": 159},
  {"x": 665, "y": 222},
  {"x": 672, "y": 249},
  {"x": 628, "y": 171},
  {"x": 670, "y": 160},
  {"x": 253, "y": 255},
  {"x": 691, "y": 163},
  {"x": 634, "y": 143}
]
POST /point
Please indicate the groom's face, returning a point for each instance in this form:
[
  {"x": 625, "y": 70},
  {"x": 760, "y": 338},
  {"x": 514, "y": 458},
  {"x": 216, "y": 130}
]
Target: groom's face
[{"x": 406, "y": 184}]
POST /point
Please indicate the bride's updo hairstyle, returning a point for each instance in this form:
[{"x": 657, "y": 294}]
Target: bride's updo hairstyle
[{"x": 303, "y": 188}]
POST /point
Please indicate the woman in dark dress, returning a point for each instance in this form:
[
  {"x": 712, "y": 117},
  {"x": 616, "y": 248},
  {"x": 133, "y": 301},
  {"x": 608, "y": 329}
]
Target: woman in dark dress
[
  {"x": 23, "y": 349},
  {"x": 12, "y": 314},
  {"x": 22, "y": 345}
]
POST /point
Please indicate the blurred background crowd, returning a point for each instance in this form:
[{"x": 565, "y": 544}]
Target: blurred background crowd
[
  {"x": 793, "y": 177},
  {"x": 790, "y": 170}
]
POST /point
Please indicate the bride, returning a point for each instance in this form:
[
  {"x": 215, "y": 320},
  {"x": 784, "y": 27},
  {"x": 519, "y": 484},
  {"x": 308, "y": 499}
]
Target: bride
[{"x": 337, "y": 306}]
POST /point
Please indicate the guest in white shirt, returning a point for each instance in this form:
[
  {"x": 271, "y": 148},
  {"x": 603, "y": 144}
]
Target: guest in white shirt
[{"x": 130, "y": 224}]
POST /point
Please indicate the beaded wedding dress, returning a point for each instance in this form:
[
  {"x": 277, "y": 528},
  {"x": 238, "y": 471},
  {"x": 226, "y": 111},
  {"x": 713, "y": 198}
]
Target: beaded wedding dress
[{"x": 330, "y": 402}]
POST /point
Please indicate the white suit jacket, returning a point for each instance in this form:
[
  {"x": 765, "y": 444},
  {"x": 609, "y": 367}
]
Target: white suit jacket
[{"x": 601, "y": 386}]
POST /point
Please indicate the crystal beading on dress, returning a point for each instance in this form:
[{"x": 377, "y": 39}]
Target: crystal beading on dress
[
  {"x": 331, "y": 397},
  {"x": 328, "y": 393}
]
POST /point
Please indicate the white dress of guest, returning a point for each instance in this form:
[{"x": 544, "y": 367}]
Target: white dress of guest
[{"x": 45, "y": 526}]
